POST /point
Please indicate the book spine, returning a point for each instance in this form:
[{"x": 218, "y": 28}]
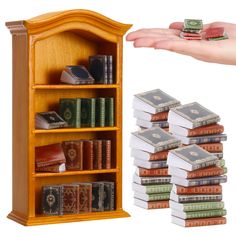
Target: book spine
[
  {"x": 85, "y": 197},
  {"x": 206, "y": 182},
  {"x": 210, "y": 189},
  {"x": 88, "y": 154},
  {"x": 159, "y": 116},
  {"x": 110, "y": 69},
  {"x": 108, "y": 154},
  {"x": 97, "y": 158},
  {"x": 200, "y": 206},
  {"x": 100, "y": 112},
  {"x": 168, "y": 146},
  {"x": 146, "y": 181},
  {"x": 158, "y": 197},
  {"x": 158, "y": 156},
  {"x": 205, "y": 221},
  {"x": 78, "y": 113},
  {"x": 153, "y": 172},
  {"x": 109, "y": 112},
  {"x": 212, "y": 147},
  {"x": 205, "y": 214},
  {"x": 49, "y": 163},
  {"x": 93, "y": 112},
  {"x": 105, "y": 66},
  {"x": 198, "y": 140},
  {"x": 158, "y": 204},
  {"x": 214, "y": 171},
  {"x": 217, "y": 129},
  {"x": 52, "y": 168},
  {"x": 165, "y": 188},
  {"x": 206, "y": 122},
  {"x": 199, "y": 198},
  {"x": 206, "y": 164}
]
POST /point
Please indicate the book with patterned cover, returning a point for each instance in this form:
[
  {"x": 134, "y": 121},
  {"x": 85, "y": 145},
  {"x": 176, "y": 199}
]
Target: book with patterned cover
[
  {"x": 85, "y": 197},
  {"x": 109, "y": 196},
  {"x": 70, "y": 196},
  {"x": 110, "y": 70},
  {"x": 152, "y": 204},
  {"x": 56, "y": 168},
  {"x": 70, "y": 111},
  {"x": 97, "y": 196},
  {"x": 52, "y": 203},
  {"x": 88, "y": 112},
  {"x": 73, "y": 151}
]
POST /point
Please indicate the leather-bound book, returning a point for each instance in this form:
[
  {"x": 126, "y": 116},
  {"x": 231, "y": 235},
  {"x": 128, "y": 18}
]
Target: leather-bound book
[
  {"x": 106, "y": 154},
  {"x": 109, "y": 196},
  {"x": 97, "y": 196},
  {"x": 97, "y": 158},
  {"x": 85, "y": 197},
  {"x": 88, "y": 154}
]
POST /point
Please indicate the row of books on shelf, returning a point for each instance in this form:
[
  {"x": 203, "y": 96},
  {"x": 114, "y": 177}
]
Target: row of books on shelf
[
  {"x": 76, "y": 198},
  {"x": 99, "y": 71},
  {"x": 74, "y": 155},
  {"x": 77, "y": 113}
]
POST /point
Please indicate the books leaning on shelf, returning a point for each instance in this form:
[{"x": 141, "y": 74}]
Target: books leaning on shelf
[
  {"x": 87, "y": 112},
  {"x": 78, "y": 198},
  {"x": 49, "y": 120},
  {"x": 76, "y": 75}
]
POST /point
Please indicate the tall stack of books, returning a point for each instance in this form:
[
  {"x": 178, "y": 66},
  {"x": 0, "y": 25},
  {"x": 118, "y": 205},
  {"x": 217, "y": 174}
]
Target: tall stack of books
[
  {"x": 151, "y": 108},
  {"x": 194, "y": 124},
  {"x": 151, "y": 183},
  {"x": 196, "y": 196}
]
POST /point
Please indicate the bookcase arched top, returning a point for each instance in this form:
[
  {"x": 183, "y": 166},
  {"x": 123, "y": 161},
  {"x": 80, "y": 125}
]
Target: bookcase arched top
[{"x": 67, "y": 20}]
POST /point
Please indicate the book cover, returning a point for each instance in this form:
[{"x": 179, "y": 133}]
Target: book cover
[
  {"x": 97, "y": 154},
  {"x": 191, "y": 158},
  {"x": 73, "y": 151},
  {"x": 106, "y": 154},
  {"x": 206, "y": 189},
  {"x": 70, "y": 196},
  {"x": 151, "y": 172},
  {"x": 152, "y": 204},
  {"x": 70, "y": 111},
  {"x": 192, "y": 115},
  {"x": 100, "y": 112},
  {"x": 151, "y": 180},
  {"x": 109, "y": 112},
  {"x": 109, "y": 196},
  {"x": 153, "y": 140},
  {"x": 97, "y": 196},
  {"x": 88, "y": 112},
  {"x": 49, "y": 155},
  {"x": 154, "y": 101},
  {"x": 52, "y": 203},
  {"x": 56, "y": 168},
  {"x": 142, "y": 115},
  {"x": 85, "y": 197},
  {"x": 88, "y": 155}
]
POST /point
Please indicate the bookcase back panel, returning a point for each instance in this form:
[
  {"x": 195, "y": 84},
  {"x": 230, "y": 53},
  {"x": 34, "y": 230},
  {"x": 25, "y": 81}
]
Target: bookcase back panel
[
  {"x": 40, "y": 182},
  {"x": 48, "y": 100},
  {"x": 53, "y": 53}
]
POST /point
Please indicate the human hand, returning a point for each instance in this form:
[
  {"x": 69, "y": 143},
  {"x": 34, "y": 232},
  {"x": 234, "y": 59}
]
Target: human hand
[{"x": 223, "y": 51}]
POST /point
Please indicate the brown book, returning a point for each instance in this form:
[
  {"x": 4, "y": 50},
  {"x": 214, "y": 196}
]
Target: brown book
[
  {"x": 88, "y": 154},
  {"x": 159, "y": 155},
  {"x": 205, "y": 189},
  {"x": 106, "y": 154},
  {"x": 49, "y": 155},
  {"x": 85, "y": 197},
  {"x": 57, "y": 168},
  {"x": 159, "y": 116},
  {"x": 209, "y": 171},
  {"x": 152, "y": 204},
  {"x": 70, "y": 198},
  {"x": 206, "y": 130},
  {"x": 97, "y": 154},
  {"x": 212, "y": 147},
  {"x": 142, "y": 172},
  {"x": 73, "y": 151},
  {"x": 205, "y": 221}
]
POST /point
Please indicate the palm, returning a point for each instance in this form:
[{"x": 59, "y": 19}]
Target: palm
[{"x": 223, "y": 51}]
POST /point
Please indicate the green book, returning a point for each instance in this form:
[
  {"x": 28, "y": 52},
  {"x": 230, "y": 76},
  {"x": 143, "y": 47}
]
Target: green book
[
  {"x": 152, "y": 197},
  {"x": 109, "y": 112},
  {"x": 196, "y": 206},
  {"x": 154, "y": 188},
  {"x": 88, "y": 112},
  {"x": 199, "y": 214},
  {"x": 70, "y": 111},
  {"x": 100, "y": 112}
]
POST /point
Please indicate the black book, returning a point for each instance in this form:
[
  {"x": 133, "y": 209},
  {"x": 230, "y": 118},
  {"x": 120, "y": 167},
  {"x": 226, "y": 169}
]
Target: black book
[
  {"x": 52, "y": 203},
  {"x": 109, "y": 196},
  {"x": 110, "y": 72},
  {"x": 97, "y": 196}
]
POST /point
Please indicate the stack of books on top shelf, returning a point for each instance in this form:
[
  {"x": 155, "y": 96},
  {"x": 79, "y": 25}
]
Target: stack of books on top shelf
[
  {"x": 194, "y": 124},
  {"x": 151, "y": 183},
  {"x": 78, "y": 198},
  {"x": 196, "y": 196},
  {"x": 151, "y": 108}
]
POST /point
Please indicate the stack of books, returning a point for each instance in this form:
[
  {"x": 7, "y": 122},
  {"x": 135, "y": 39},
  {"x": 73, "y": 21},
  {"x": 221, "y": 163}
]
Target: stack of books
[
  {"x": 151, "y": 108},
  {"x": 194, "y": 124},
  {"x": 151, "y": 183},
  {"x": 78, "y": 198},
  {"x": 196, "y": 196}
]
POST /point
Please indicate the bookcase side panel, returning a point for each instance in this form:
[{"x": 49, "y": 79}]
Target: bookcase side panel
[{"x": 20, "y": 125}]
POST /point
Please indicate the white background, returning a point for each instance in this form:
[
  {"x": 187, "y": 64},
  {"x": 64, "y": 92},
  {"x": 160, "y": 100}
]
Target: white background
[{"x": 185, "y": 78}]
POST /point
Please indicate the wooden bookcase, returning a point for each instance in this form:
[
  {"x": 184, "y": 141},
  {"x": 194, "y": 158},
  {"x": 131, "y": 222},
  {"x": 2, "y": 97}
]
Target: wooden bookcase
[{"x": 42, "y": 47}]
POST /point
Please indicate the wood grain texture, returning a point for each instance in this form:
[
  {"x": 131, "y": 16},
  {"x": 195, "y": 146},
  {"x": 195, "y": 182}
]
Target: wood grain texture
[{"x": 42, "y": 47}]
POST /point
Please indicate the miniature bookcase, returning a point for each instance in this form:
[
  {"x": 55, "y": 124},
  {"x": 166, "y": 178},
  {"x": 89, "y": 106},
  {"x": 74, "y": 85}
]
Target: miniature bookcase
[{"x": 42, "y": 47}]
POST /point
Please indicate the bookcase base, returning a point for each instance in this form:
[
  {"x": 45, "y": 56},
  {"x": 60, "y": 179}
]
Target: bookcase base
[{"x": 43, "y": 220}]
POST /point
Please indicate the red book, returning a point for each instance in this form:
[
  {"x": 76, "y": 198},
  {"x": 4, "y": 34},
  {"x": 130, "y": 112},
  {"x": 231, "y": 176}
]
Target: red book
[
  {"x": 88, "y": 155},
  {"x": 212, "y": 147},
  {"x": 159, "y": 116},
  {"x": 215, "y": 32},
  {"x": 159, "y": 155},
  {"x": 206, "y": 130},
  {"x": 49, "y": 155},
  {"x": 209, "y": 171},
  {"x": 85, "y": 197},
  {"x": 106, "y": 154},
  {"x": 57, "y": 168},
  {"x": 203, "y": 221},
  {"x": 205, "y": 189},
  {"x": 151, "y": 204},
  {"x": 142, "y": 172},
  {"x": 97, "y": 154}
]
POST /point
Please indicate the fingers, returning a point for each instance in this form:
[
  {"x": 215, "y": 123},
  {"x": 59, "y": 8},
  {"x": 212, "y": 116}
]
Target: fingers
[{"x": 176, "y": 25}]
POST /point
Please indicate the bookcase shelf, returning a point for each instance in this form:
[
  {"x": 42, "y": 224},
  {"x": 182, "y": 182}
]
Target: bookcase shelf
[
  {"x": 42, "y": 47},
  {"x": 83, "y": 172}
]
